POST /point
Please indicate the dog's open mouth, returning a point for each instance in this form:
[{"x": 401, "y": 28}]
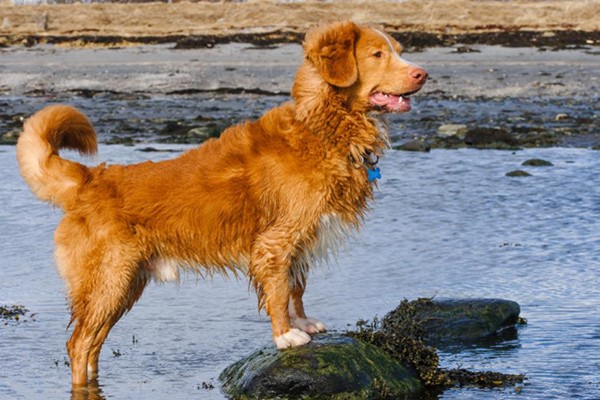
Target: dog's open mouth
[{"x": 390, "y": 102}]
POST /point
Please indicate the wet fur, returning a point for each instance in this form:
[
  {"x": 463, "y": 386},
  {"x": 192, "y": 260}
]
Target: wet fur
[{"x": 268, "y": 198}]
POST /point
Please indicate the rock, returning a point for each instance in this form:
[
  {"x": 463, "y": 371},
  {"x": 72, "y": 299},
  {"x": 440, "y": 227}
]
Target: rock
[
  {"x": 457, "y": 130},
  {"x": 11, "y": 136},
  {"x": 490, "y": 138},
  {"x": 124, "y": 140},
  {"x": 414, "y": 145},
  {"x": 536, "y": 162},
  {"x": 518, "y": 173},
  {"x": 465, "y": 49},
  {"x": 460, "y": 320},
  {"x": 385, "y": 359},
  {"x": 201, "y": 133},
  {"x": 155, "y": 150},
  {"x": 561, "y": 117},
  {"x": 331, "y": 366},
  {"x": 175, "y": 128}
]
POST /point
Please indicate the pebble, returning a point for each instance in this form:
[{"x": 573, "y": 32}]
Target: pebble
[{"x": 458, "y": 130}]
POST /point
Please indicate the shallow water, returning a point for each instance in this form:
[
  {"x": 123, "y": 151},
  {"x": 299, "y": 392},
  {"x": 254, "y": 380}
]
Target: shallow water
[{"x": 447, "y": 223}]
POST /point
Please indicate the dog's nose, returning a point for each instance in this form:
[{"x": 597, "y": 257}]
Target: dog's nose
[{"x": 418, "y": 74}]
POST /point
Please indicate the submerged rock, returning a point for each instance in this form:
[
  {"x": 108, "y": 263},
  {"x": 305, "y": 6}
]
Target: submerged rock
[
  {"x": 332, "y": 366},
  {"x": 458, "y": 320},
  {"x": 536, "y": 162},
  {"x": 518, "y": 173}
]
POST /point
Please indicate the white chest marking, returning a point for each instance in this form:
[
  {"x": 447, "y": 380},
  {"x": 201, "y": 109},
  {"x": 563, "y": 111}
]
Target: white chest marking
[{"x": 332, "y": 233}]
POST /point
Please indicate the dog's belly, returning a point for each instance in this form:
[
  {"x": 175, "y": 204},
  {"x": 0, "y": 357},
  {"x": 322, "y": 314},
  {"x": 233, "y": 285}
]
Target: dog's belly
[
  {"x": 163, "y": 270},
  {"x": 331, "y": 234}
]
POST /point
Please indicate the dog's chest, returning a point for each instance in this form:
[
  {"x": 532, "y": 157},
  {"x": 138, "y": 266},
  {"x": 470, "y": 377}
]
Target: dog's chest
[{"x": 331, "y": 234}]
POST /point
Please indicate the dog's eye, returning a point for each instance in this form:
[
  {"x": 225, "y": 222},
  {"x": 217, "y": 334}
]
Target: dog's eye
[{"x": 378, "y": 54}]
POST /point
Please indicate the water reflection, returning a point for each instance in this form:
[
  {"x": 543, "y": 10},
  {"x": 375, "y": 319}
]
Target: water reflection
[
  {"x": 505, "y": 340},
  {"x": 93, "y": 391}
]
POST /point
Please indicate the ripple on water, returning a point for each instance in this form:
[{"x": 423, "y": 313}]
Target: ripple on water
[{"x": 446, "y": 223}]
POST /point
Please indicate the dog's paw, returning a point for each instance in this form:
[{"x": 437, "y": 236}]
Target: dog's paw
[
  {"x": 292, "y": 338},
  {"x": 309, "y": 325}
]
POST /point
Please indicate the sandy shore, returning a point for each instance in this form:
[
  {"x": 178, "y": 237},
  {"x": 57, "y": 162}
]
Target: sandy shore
[{"x": 489, "y": 71}]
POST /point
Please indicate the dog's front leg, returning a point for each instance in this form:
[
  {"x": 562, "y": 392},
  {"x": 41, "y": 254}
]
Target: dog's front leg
[{"x": 270, "y": 273}]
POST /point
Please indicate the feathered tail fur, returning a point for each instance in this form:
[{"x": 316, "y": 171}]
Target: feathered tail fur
[{"x": 50, "y": 177}]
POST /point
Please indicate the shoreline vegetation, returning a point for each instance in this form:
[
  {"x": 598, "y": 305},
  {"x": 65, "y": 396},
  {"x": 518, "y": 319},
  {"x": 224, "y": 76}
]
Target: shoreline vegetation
[{"x": 200, "y": 24}]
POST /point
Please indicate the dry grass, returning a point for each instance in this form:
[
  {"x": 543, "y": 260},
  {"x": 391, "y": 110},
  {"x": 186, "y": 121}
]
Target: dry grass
[{"x": 256, "y": 16}]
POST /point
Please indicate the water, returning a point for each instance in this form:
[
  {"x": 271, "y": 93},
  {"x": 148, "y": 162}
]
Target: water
[{"x": 447, "y": 223}]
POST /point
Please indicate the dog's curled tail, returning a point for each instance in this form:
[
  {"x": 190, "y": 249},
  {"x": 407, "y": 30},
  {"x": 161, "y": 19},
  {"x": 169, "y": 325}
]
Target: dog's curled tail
[{"x": 50, "y": 177}]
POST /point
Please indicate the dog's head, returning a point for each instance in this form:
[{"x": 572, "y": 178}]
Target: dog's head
[{"x": 364, "y": 65}]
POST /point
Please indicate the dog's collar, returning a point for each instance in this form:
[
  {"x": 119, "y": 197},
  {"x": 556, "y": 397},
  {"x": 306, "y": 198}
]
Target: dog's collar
[{"x": 368, "y": 161}]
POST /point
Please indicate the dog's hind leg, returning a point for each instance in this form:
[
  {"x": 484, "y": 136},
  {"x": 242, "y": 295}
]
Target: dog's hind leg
[
  {"x": 100, "y": 294},
  {"x": 298, "y": 317},
  {"x": 134, "y": 294}
]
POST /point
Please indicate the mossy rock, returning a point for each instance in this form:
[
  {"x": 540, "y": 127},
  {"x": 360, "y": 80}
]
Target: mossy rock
[{"x": 330, "y": 367}]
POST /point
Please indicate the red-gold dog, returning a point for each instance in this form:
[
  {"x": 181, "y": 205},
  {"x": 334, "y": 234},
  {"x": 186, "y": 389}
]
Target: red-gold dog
[{"x": 269, "y": 197}]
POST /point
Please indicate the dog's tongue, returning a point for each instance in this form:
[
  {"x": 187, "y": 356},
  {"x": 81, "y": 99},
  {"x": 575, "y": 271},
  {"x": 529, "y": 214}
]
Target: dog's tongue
[{"x": 391, "y": 102}]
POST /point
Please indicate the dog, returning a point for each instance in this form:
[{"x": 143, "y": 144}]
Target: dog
[{"x": 270, "y": 197}]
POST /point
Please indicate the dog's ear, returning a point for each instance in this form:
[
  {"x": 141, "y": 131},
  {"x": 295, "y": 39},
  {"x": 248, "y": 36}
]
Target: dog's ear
[{"x": 331, "y": 50}]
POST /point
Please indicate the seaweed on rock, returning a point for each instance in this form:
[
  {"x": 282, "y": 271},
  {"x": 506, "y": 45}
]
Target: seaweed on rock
[{"x": 401, "y": 335}]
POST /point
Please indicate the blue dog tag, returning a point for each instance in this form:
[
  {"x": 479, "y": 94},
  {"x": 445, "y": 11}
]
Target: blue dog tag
[{"x": 374, "y": 174}]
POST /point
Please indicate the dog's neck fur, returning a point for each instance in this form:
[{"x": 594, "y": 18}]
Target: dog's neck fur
[{"x": 327, "y": 111}]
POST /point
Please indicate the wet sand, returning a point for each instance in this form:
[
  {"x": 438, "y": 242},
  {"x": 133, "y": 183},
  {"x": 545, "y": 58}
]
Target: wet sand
[{"x": 475, "y": 71}]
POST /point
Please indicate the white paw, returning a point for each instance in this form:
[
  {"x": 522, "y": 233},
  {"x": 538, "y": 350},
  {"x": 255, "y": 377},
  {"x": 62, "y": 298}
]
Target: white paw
[
  {"x": 292, "y": 338},
  {"x": 309, "y": 325}
]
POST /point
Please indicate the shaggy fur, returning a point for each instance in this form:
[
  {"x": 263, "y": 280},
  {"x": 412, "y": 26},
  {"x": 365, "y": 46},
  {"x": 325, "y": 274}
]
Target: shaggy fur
[{"x": 269, "y": 197}]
